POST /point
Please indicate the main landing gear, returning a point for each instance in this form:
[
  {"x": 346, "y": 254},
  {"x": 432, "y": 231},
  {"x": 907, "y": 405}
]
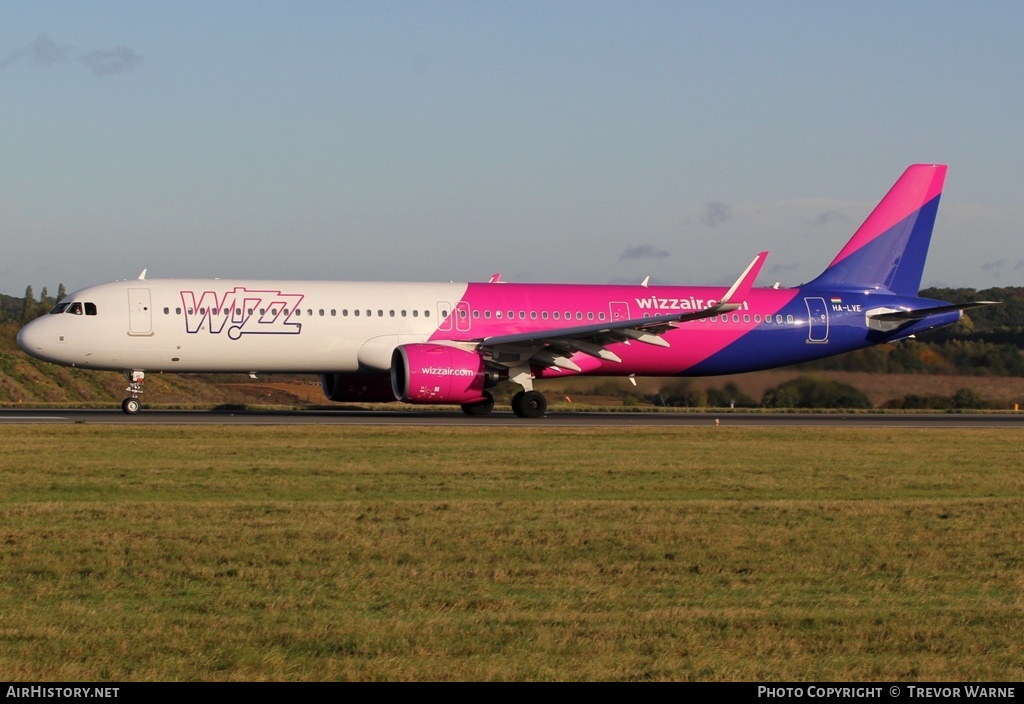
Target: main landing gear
[
  {"x": 529, "y": 404},
  {"x": 525, "y": 404},
  {"x": 132, "y": 404},
  {"x": 480, "y": 408}
]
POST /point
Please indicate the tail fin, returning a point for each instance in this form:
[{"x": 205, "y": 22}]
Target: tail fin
[{"x": 889, "y": 249}]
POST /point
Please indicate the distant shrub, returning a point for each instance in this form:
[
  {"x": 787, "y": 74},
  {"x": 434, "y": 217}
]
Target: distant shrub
[
  {"x": 730, "y": 396},
  {"x": 811, "y": 392},
  {"x": 964, "y": 399},
  {"x": 920, "y": 402},
  {"x": 680, "y": 394},
  {"x": 967, "y": 399}
]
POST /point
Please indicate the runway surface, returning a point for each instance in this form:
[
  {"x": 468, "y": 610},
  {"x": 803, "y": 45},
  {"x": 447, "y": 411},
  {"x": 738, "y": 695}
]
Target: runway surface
[{"x": 499, "y": 419}]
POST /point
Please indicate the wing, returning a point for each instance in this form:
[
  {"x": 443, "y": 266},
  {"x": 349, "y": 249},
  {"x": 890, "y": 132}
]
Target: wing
[{"x": 553, "y": 348}]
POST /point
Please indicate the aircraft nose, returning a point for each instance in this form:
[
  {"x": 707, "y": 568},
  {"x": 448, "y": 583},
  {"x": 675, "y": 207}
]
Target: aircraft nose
[
  {"x": 26, "y": 338},
  {"x": 32, "y": 338}
]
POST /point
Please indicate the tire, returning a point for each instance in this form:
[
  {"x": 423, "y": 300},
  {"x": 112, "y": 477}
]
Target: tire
[
  {"x": 529, "y": 404},
  {"x": 131, "y": 406},
  {"x": 480, "y": 408}
]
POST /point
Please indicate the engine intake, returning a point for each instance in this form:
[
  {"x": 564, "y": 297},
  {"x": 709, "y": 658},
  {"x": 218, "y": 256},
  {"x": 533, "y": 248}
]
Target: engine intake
[{"x": 429, "y": 373}]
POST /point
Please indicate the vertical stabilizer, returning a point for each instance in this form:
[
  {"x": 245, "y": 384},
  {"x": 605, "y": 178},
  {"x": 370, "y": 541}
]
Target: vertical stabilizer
[{"x": 889, "y": 249}]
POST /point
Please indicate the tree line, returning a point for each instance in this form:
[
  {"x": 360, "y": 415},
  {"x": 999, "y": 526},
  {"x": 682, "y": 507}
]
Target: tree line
[{"x": 27, "y": 308}]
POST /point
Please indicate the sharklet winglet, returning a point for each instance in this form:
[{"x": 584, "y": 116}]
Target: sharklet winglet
[{"x": 741, "y": 289}]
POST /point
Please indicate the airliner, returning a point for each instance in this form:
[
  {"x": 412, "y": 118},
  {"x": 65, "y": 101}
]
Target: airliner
[{"x": 451, "y": 343}]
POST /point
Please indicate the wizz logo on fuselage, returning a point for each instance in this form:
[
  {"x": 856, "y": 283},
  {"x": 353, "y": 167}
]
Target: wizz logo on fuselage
[{"x": 241, "y": 311}]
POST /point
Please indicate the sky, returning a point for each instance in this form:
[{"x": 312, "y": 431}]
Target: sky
[{"x": 569, "y": 141}]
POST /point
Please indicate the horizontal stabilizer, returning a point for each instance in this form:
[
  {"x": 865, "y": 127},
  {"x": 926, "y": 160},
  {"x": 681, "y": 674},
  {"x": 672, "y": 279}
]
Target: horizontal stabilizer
[
  {"x": 886, "y": 319},
  {"x": 922, "y": 313}
]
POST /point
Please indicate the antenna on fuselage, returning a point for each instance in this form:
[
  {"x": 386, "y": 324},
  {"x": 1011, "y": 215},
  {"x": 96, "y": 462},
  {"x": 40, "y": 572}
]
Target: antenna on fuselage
[{"x": 142, "y": 276}]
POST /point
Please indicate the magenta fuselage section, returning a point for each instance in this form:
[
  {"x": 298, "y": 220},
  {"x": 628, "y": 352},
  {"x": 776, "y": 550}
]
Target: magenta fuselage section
[{"x": 495, "y": 309}]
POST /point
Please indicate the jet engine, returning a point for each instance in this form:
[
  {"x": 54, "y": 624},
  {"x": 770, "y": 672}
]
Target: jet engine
[{"x": 429, "y": 373}]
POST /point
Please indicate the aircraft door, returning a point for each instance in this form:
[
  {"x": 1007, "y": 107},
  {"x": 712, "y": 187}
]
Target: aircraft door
[
  {"x": 618, "y": 310},
  {"x": 140, "y": 317},
  {"x": 817, "y": 320},
  {"x": 462, "y": 317},
  {"x": 444, "y": 316}
]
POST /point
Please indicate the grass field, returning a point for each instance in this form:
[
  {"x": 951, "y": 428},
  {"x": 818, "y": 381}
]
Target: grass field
[{"x": 337, "y": 553}]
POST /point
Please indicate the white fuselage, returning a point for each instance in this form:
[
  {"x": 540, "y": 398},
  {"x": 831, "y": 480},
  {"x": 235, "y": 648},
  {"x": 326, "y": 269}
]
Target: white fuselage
[{"x": 204, "y": 325}]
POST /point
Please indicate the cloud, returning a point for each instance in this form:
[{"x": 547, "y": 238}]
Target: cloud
[
  {"x": 44, "y": 53},
  {"x": 829, "y": 217},
  {"x": 643, "y": 251},
  {"x": 1000, "y": 266},
  {"x": 104, "y": 63},
  {"x": 715, "y": 214}
]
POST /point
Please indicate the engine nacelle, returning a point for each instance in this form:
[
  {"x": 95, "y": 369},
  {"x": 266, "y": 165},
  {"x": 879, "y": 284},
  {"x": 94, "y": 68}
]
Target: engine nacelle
[
  {"x": 428, "y": 373},
  {"x": 357, "y": 386}
]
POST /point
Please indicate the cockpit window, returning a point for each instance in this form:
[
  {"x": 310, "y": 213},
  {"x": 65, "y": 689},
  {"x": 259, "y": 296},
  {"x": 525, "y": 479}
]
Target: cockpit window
[{"x": 75, "y": 308}]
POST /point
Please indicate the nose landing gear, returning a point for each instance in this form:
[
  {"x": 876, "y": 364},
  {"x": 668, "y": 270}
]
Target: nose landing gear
[{"x": 132, "y": 404}]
